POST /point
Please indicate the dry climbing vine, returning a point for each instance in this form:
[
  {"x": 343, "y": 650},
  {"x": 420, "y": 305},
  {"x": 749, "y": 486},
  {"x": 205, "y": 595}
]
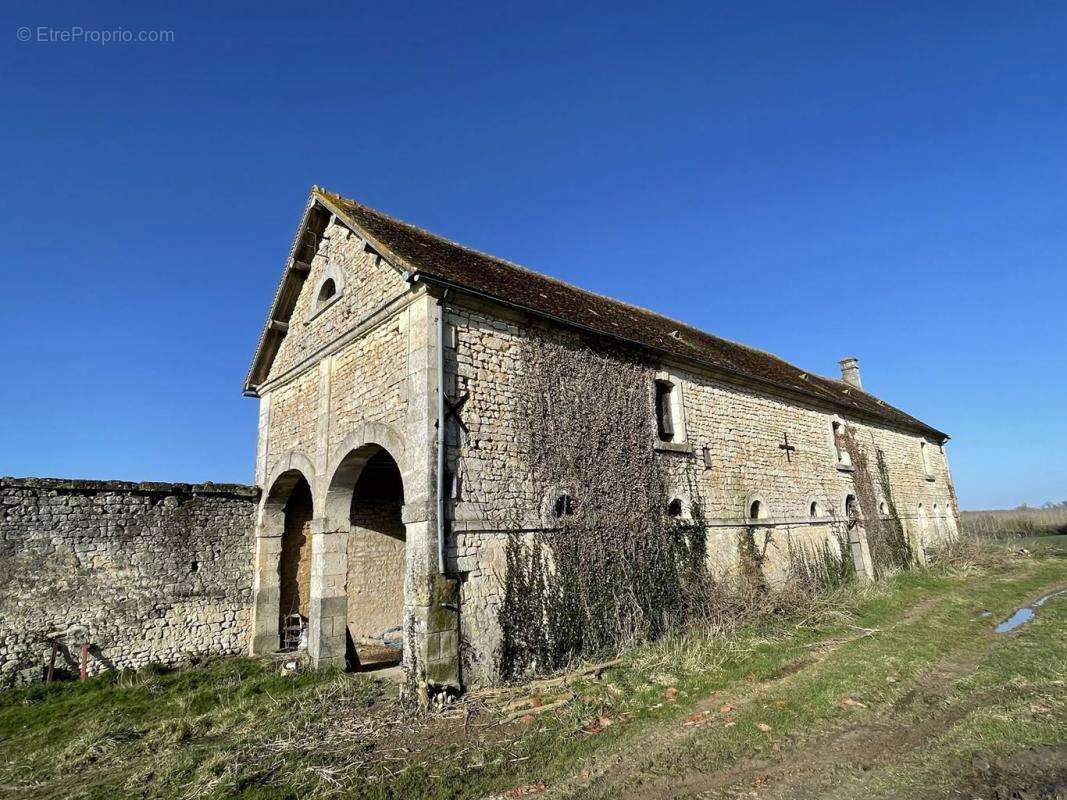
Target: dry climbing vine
[
  {"x": 605, "y": 565},
  {"x": 886, "y": 538}
]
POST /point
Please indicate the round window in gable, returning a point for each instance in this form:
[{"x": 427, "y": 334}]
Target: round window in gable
[
  {"x": 564, "y": 506},
  {"x": 327, "y": 290},
  {"x": 674, "y": 508}
]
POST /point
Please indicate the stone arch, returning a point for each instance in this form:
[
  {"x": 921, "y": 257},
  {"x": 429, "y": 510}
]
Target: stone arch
[
  {"x": 755, "y": 507},
  {"x": 347, "y": 462},
  {"x": 329, "y": 289},
  {"x": 285, "y": 475},
  {"x": 850, "y": 509},
  {"x": 282, "y": 580},
  {"x": 364, "y": 505},
  {"x": 815, "y": 508}
]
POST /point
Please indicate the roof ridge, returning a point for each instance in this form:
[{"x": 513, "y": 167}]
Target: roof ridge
[{"x": 440, "y": 258}]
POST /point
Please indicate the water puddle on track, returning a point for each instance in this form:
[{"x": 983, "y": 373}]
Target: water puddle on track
[{"x": 1026, "y": 613}]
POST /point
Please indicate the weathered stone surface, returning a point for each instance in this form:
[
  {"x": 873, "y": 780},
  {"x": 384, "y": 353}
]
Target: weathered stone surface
[
  {"x": 363, "y": 372},
  {"x": 155, "y": 572}
]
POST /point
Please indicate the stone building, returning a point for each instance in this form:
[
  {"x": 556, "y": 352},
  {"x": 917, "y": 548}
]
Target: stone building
[{"x": 373, "y": 528}]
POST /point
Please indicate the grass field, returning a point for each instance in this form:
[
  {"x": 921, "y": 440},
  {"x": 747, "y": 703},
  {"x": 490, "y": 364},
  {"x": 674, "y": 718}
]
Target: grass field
[
  {"x": 1015, "y": 522},
  {"x": 897, "y": 690}
]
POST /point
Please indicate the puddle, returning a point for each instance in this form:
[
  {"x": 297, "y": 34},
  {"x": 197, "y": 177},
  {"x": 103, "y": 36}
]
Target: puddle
[{"x": 1025, "y": 614}]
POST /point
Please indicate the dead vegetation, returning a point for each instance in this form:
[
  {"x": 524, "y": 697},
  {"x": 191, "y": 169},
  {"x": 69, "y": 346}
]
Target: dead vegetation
[
  {"x": 1016, "y": 522},
  {"x": 606, "y": 566}
]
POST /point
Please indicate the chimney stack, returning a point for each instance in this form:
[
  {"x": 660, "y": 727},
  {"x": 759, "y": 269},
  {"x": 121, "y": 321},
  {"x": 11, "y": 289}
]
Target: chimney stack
[{"x": 850, "y": 371}]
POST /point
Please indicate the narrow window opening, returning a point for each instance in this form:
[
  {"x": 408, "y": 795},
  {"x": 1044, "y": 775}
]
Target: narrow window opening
[
  {"x": 814, "y": 510},
  {"x": 843, "y": 457},
  {"x": 926, "y": 461},
  {"x": 674, "y": 508},
  {"x": 755, "y": 510},
  {"x": 664, "y": 416},
  {"x": 852, "y": 511}
]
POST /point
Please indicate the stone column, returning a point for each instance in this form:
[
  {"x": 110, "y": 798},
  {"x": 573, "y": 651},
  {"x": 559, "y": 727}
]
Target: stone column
[
  {"x": 265, "y": 594},
  {"x": 861, "y": 553},
  {"x": 328, "y": 613}
]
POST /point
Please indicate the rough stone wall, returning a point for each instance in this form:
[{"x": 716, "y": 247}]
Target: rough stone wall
[
  {"x": 156, "y": 572},
  {"x": 743, "y": 428},
  {"x": 364, "y": 283},
  {"x": 375, "y": 570},
  {"x": 362, "y": 366}
]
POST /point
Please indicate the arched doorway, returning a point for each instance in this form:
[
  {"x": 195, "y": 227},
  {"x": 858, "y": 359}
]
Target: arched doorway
[
  {"x": 281, "y": 578},
  {"x": 376, "y": 562},
  {"x": 367, "y": 492},
  {"x": 294, "y": 568}
]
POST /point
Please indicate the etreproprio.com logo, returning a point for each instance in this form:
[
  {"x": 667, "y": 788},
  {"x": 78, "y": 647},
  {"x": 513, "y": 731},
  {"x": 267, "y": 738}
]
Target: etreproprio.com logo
[{"x": 76, "y": 34}]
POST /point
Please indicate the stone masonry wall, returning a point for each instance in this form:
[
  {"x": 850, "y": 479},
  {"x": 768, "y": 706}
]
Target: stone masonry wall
[
  {"x": 155, "y": 572},
  {"x": 742, "y": 427},
  {"x": 352, "y": 376},
  {"x": 376, "y": 571},
  {"x": 360, "y": 370}
]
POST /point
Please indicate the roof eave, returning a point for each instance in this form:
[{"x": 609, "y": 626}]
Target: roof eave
[{"x": 715, "y": 368}]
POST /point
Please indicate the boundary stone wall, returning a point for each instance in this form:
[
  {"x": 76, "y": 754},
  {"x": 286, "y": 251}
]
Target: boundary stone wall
[{"x": 151, "y": 572}]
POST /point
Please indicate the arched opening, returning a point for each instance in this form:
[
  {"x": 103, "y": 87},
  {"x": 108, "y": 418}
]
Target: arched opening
[
  {"x": 294, "y": 561},
  {"x": 327, "y": 290},
  {"x": 755, "y": 510},
  {"x": 814, "y": 509},
  {"x": 852, "y": 511},
  {"x": 376, "y": 557}
]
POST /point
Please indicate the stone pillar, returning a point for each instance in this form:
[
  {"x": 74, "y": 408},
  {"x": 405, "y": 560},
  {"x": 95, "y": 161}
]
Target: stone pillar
[
  {"x": 265, "y": 594},
  {"x": 431, "y": 643},
  {"x": 436, "y": 622},
  {"x": 328, "y": 612},
  {"x": 861, "y": 553}
]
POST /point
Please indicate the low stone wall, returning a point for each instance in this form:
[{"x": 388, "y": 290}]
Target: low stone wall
[{"x": 152, "y": 572}]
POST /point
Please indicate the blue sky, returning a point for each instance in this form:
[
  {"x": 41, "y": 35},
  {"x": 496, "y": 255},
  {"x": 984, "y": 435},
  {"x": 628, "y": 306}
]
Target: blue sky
[{"x": 880, "y": 180}]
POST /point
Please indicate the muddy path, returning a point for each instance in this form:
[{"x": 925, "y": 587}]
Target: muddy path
[{"x": 809, "y": 764}]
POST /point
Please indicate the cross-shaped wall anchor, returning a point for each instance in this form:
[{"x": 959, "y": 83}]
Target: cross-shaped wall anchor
[
  {"x": 789, "y": 449},
  {"x": 453, "y": 407}
]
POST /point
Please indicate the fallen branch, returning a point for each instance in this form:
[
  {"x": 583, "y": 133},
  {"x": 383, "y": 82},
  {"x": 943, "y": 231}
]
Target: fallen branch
[{"x": 533, "y": 711}]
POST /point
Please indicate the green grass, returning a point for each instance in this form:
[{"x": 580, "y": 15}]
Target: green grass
[{"x": 238, "y": 729}]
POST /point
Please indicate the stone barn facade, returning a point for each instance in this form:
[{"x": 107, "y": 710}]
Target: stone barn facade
[{"x": 378, "y": 528}]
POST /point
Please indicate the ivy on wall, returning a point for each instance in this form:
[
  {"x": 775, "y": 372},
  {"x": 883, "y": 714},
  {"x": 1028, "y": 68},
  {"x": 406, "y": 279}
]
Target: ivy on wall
[
  {"x": 886, "y": 538},
  {"x": 606, "y": 565}
]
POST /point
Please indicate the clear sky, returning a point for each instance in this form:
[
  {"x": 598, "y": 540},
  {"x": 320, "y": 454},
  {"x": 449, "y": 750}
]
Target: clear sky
[{"x": 819, "y": 180}]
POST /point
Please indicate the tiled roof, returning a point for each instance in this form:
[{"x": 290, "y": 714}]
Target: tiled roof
[{"x": 436, "y": 258}]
